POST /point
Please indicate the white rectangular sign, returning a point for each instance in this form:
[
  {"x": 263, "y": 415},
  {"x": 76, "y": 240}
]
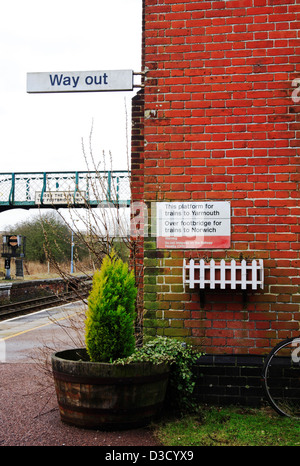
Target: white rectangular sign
[
  {"x": 80, "y": 81},
  {"x": 59, "y": 197},
  {"x": 193, "y": 225}
]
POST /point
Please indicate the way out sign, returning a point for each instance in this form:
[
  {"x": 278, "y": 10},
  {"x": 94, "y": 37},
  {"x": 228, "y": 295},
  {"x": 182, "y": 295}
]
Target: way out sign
[
  {"x": 80, "y": 81},
  {"x": 193, "y": 225}
]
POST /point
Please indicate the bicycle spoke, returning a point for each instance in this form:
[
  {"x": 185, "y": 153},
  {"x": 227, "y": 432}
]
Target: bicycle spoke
[{"x": 281, "y": 377}]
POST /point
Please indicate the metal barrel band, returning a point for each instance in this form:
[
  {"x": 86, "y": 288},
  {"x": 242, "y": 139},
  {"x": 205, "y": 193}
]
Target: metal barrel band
[
  {"x": 109, "y": 380},
  {"x": 120, "y": 411}
]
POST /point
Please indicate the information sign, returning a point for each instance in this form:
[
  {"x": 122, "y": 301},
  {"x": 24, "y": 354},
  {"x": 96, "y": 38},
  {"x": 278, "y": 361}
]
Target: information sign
[
  {"x": 193, "y": 225},
  {"x": 59, "y": 197},
  {"x": 80, "y": 81}
]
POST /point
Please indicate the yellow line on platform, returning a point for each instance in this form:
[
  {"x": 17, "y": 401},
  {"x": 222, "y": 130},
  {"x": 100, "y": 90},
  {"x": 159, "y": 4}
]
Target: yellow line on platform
[
  {"x": 25, "y": 331},
  {"x": 39, "y": 326}
]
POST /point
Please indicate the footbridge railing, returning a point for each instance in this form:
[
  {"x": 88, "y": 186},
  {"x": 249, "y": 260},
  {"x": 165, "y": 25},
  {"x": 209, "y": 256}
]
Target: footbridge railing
[{"x": 64, "y": 189}]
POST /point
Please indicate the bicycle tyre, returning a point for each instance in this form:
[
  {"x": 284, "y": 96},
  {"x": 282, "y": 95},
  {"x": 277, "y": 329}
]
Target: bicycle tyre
[{"x": 281, "y": 378}]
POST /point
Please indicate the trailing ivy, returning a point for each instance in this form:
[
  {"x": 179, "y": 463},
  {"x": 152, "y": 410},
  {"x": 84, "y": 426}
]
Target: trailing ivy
[{"x": 181, "y": 359}]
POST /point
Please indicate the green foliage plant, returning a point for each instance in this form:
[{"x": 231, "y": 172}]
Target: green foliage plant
[
  {"x": 230, "y": 426},
  {"x": 47, "y": 238},
  {"x": 181, "y": 359},
  {"x": 111, "y": 312}
]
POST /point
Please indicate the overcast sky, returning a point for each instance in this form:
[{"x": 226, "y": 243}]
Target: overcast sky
[{"x": 43, "y": 132}]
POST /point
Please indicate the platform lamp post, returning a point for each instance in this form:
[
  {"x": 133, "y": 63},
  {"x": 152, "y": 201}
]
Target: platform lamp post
[
  {"x": 72, "y": 248},
  {"x": 72, "y": 251}
]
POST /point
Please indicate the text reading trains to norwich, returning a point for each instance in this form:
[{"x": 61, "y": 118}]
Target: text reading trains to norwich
[{"x": 80, "y": 81}]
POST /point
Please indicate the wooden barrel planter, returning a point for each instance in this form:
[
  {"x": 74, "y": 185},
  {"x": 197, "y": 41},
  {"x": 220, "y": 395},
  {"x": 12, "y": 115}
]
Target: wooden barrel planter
[{"x": 107, "y": 396}]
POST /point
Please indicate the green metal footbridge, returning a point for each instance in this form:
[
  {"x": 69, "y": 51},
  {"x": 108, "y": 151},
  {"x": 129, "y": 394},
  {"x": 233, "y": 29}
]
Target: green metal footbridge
[{"x": 64, "y": 189}]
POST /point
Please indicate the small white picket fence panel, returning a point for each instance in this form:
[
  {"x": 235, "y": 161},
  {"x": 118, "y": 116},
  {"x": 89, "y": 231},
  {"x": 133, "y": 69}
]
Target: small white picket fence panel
[{"x": 222, "y": 273}]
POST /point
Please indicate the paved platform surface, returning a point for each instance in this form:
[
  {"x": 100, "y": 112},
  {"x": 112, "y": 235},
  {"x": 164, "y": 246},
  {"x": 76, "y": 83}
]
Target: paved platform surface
[
  {"x": 29, "y": 414},
  {"x": 30, "y": 417}
]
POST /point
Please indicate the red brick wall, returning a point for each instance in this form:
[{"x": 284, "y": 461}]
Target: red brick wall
[
  {"x": 221, "y": 124},
  {"x": 137, "y": 194}
]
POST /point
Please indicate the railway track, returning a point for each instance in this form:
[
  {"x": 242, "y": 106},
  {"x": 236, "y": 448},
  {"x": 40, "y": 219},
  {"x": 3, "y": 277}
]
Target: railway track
[{"x": 36, "y": 304}]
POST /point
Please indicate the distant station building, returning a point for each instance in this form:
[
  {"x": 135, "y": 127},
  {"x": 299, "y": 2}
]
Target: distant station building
[{"x": 215, "y": 159}]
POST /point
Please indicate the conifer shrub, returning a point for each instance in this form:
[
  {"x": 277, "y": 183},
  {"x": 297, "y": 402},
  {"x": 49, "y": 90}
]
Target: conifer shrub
[{"x": 111, "y": 312}]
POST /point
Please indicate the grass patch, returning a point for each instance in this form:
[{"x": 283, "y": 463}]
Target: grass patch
[{"x": 229, "y": 426}]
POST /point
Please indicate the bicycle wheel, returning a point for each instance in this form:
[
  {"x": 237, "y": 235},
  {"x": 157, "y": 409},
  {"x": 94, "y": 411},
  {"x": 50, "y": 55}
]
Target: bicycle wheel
[{"x": 281, "y": 377}]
